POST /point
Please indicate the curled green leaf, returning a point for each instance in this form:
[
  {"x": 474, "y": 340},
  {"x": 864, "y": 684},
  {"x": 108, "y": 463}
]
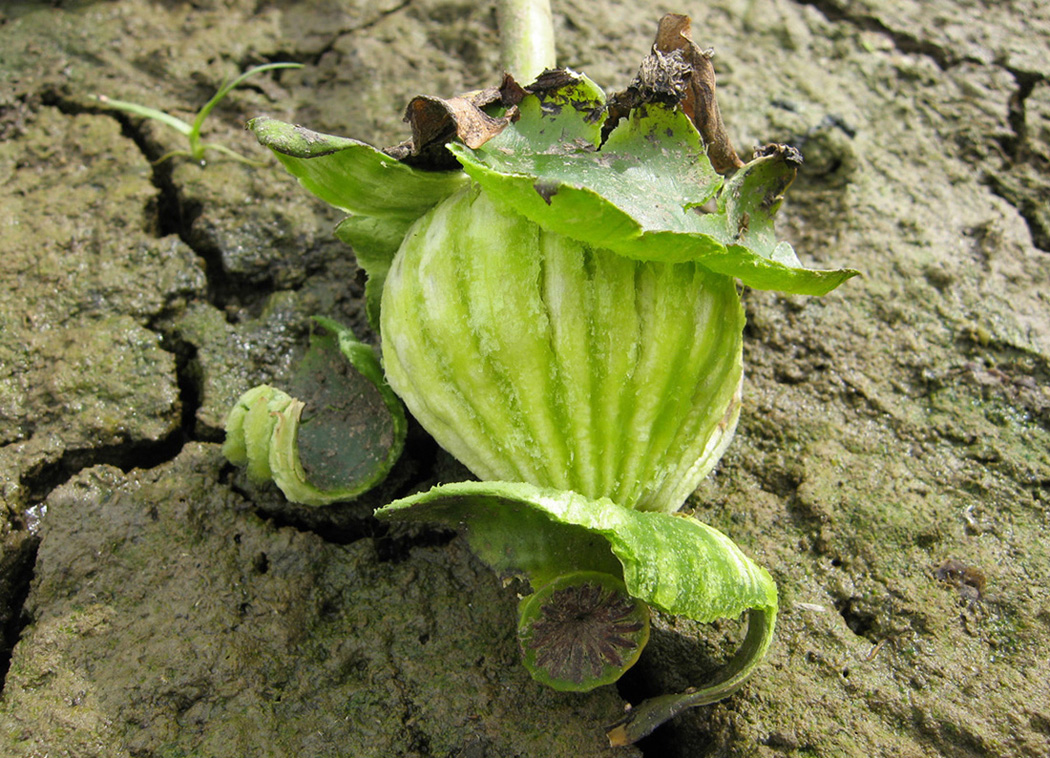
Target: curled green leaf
[
  {"x": 337, "y": 438},
  {"x": 675, "y": 563},
  {"x": 354, "y": 176}
]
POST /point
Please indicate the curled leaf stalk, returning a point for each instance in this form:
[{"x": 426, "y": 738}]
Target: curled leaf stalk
[{"x": 641, "y": 720}]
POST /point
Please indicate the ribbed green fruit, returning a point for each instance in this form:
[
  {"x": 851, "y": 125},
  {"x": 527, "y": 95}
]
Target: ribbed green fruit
[{"x": 532, "y": 357}]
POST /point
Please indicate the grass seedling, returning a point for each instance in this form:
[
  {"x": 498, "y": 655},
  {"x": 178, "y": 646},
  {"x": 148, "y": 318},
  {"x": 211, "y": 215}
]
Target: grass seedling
[{"x": 197, "y": 147}]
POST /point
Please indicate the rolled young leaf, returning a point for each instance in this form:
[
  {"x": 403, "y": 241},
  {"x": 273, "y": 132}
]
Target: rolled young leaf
[
  {"x": 336, "y": 439},
  {"x": 249, "y": 428}
]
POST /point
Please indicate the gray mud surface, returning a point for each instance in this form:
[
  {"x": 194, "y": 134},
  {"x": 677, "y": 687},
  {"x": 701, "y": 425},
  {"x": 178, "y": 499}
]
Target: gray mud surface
[{"x": 892, "y": 466}]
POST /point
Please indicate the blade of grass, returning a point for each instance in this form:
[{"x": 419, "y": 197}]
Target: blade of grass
[
  {"x": 194, "y": 134},
  {"x": 141, "y": 110}
]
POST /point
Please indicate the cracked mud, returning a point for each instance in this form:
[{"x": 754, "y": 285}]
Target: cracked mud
[{"x": 891, "y": 466}]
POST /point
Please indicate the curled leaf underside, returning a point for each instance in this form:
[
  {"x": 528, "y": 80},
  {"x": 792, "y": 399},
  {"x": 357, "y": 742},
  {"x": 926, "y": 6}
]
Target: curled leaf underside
[
  {"x": 336, "y": 436},
  {"x": 674, "y": 563}
]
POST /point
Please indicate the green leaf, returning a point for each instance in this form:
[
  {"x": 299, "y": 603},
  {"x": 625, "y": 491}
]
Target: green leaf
[
  {"x": 336, "y": 435},
  {"x": 226, "y": 88},
  {"x": 375, "y": 242},
  {"x": 640, "y": 194},
  {"x": 354, "y": 176},
  {"x": 135, "y": 109},
  {"x": 675, "y": 563},
  {"x": 653, "y": 169},
  {"x": 508, "y": 531},
  {"x": 672, "y": 562},
  {"x": 192, "y": 131},
  {"x": 747, "y": 206},
  {"x": 563, "y": 118}
]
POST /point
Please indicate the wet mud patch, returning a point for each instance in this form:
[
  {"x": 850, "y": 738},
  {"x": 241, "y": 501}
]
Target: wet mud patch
[
  {"x": 250, "y": 636},
  {"x": 890, "y": 430}
]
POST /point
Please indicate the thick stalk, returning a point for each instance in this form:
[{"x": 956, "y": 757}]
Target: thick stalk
[{"x": 526, "y": 38}]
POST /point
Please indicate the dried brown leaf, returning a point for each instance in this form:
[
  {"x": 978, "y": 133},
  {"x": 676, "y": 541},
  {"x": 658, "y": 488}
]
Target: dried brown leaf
[
  {"x": 678, "y": 71},
  {"x": 675, "y": 33}
]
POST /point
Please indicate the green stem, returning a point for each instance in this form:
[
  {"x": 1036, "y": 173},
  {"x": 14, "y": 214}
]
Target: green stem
[
  {"x": 643, "y": 719},
  {"x": 526, "y": 38}
]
